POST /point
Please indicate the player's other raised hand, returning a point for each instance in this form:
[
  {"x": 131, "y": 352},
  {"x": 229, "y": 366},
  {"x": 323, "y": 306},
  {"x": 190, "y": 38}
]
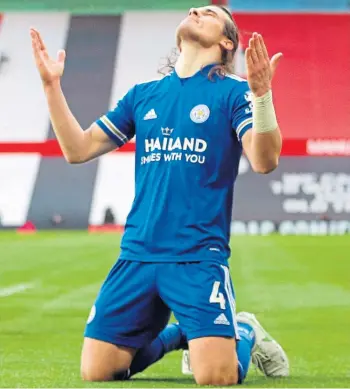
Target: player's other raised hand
[
  {"x": 50, "y": 70},
  {"x": 260, "y": 69}
]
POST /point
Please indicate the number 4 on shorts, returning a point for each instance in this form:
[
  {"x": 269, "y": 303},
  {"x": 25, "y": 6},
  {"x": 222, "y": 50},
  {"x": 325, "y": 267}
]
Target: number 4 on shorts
[{"x": 216, "y": 296}]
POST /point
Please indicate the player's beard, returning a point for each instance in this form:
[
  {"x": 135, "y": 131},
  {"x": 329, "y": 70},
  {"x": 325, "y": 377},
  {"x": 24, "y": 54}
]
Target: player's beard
[{"x": 189, "y": 33}]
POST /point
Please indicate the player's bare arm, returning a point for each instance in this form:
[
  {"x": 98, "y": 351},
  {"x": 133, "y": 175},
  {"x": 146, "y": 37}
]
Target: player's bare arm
[
  {"x": 263, "y": 144},
  {"x": 77, "y": 145}
]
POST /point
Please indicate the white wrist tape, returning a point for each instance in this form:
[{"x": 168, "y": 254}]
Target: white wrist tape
[{"x": 264, "y": 116}]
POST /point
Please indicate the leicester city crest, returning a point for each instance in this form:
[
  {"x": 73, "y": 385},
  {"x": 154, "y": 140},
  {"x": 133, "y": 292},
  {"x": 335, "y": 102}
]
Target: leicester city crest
[{"x": 200, "y": 113}]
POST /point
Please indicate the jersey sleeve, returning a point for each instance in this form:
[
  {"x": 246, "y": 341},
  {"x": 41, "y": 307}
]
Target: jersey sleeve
[
  {"x": 119, "y": 123},
  {"x": 242, "y": 109}
]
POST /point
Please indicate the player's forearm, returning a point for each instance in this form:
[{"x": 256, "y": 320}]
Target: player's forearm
[
  {"x": 266, "y": 140},
  {"x": 68, "y": 131},
  {"x": 265, "y": 149}
]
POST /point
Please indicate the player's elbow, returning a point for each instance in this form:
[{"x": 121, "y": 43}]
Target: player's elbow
[
  {"x": 74, "y": 158},
  {"x": 266, "y": 166}
]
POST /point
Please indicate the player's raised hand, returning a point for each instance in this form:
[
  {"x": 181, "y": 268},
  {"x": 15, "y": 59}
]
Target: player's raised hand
[
  {"x": 260, "y": 69},
  {"x": 50, "y": 70}
]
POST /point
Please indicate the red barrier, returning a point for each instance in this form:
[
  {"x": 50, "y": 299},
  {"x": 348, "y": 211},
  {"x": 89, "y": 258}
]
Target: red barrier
[{"x": 291, "y": 147}]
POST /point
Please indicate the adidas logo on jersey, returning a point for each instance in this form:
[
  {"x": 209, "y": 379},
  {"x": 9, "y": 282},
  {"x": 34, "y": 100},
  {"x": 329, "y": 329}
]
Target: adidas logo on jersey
[
  {"x": 150, "y": 115},
  {"x": 222, "y": 319}
]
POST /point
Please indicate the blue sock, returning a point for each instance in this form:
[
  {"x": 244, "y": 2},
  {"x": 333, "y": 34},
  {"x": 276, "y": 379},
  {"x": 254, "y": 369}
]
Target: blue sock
[
  {"x": 147, "y": 356},
  {"x": 171, "y": 338},
  {"x": 244, "y": 349}
]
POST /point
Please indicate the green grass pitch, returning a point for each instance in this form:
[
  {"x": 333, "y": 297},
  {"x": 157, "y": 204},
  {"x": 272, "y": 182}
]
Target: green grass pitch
[{"x": 299, "y": 287}]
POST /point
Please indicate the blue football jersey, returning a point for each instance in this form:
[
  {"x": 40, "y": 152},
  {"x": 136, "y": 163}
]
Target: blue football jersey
[{"x": 188, "y": 147}]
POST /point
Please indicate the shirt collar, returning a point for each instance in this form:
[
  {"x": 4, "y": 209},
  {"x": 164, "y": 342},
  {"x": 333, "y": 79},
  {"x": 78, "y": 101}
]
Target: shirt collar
[{"x": 203, "y": 72}]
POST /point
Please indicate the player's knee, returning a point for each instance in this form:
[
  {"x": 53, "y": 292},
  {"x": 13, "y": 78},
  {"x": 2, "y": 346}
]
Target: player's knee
[
  {"x": 101, "y": 361},
  {"x": 217, "y": 376},
  {"x": 94, "y": 375},
  {"x": 216, "y": 379},
  {"x": 98, "y": 374}
]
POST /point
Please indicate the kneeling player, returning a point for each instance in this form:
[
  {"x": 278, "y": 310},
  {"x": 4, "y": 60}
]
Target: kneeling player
[
  {"x": 255, "y": 344},
  {"x": 191, "y": 127}
]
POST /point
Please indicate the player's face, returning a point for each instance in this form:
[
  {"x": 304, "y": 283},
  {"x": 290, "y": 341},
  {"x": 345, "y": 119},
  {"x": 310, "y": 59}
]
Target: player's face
[{"x": 204, "y": 25}]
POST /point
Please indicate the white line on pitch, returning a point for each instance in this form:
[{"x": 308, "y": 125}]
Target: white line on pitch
[{"x": 10, "y": 290}]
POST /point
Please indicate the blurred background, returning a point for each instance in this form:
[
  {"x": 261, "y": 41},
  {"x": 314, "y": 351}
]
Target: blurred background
[
  {"x": 297, "y": 285},
  {"x": 113, "y": 44}
]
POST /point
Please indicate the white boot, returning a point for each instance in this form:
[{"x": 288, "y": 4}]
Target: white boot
[{"x": 267, "y": 354}]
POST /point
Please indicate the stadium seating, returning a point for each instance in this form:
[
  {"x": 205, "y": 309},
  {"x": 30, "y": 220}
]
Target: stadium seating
[
  {"x": 118, "y": 193},
  {"x": 26, "y": 117},
  {"x": 103, "y": 63},
  {"x": 17, "y": 181}
]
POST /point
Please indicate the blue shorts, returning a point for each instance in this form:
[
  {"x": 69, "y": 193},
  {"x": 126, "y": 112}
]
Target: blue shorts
[{"x": 136, "y": 299}]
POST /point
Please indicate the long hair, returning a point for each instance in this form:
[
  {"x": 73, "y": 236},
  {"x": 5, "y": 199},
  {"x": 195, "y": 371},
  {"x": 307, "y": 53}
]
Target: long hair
[
  {"x": 169, "y": 62},
  {"x": 227, "y": 56}
]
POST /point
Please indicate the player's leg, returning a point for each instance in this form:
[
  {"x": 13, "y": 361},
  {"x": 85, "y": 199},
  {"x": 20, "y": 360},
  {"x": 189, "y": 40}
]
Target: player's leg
[
  {"x": 233, "y": 356},
  {"x": 214, "y": 361},
  {"x": 170, "y": 339},
  {"x": 122, "y": 321},
  {"x": 103, "y": 361},
  {"x": 173, "y": 338},
  {"x": 202, "y": 299},
  {"x": 267, "y": 354}
]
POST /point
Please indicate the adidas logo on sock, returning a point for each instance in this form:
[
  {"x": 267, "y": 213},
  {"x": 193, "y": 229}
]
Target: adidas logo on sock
[
  {"x": 150, "y": 115},
  {"x": 222, "y": 319}
]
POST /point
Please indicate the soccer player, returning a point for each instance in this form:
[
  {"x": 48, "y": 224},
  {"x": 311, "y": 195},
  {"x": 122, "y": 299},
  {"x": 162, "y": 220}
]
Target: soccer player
[{"x": 191, "y": 127}]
